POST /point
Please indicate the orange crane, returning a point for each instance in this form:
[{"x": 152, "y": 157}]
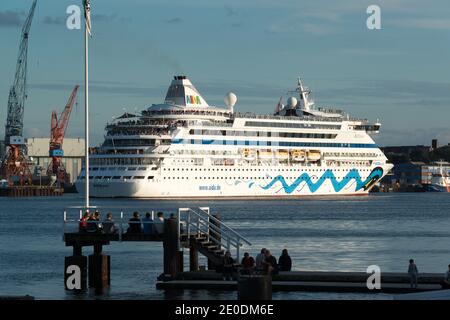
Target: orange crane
[{"x": 57, "y": 132}]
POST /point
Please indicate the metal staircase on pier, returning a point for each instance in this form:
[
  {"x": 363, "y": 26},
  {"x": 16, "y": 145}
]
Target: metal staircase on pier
[{"x": 208, "y": 234}]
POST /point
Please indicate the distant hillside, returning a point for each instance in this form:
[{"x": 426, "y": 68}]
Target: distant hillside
[{"x": 418, "y": 154}]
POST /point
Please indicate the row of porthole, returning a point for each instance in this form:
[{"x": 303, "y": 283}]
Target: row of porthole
[
  {"x": 266, "y": 170},
  {"x": 256, "y": 178}
]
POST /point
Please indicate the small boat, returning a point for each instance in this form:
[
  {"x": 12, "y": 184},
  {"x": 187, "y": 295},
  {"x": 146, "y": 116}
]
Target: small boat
[{"x": 440, "y": 182}]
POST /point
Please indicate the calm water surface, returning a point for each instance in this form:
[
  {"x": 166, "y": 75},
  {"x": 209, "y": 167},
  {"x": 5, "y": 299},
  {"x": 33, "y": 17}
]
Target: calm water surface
[{"x": 340, "y": 234}]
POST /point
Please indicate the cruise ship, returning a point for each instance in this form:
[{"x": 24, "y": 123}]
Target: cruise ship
[{"x": 186, "y": 148}]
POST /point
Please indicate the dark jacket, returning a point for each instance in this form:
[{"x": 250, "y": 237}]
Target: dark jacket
[
  {"x": 135, "y": 225},
  {"x": 285, "y": 262},
  {"x": 271, "y": 261}
]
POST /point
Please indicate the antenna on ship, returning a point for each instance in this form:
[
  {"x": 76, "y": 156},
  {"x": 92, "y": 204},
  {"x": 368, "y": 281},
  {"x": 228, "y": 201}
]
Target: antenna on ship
[{"x": 304, "y": 93}]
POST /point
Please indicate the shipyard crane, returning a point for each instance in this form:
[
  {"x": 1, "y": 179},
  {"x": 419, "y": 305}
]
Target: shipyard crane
[
  {"x": 58, "y": 129},
  {"x": 15, "y": 163}
]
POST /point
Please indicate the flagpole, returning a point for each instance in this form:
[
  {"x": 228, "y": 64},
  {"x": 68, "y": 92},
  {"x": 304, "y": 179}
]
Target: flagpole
[{"x": 86, "y": 115}]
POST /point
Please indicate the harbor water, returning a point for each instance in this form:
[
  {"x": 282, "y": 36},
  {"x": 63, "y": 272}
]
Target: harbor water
[{"x": 326, "y": 234}]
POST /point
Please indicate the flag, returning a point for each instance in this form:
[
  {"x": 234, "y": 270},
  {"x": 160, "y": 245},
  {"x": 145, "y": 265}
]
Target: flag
[{"x": 87, "y": 15}]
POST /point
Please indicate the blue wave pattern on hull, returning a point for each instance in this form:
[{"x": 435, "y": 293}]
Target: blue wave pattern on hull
[{"x": 353, "y": 174}]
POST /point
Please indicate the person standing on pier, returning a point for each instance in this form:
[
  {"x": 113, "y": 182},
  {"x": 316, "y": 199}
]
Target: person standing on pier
[
  {"x": 413, "y": 273},
  {"x": 445, "y": 284},
  {"x": 285, "y": 262}
]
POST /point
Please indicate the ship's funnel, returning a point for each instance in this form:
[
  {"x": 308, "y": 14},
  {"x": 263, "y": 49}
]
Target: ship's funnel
[{"x": 183, "y": 93}]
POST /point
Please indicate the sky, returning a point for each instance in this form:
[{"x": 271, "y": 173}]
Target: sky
[{"x": 399, "y": 74}]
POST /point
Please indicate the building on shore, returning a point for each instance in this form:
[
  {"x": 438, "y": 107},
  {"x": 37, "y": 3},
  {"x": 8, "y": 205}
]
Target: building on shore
[
  {"x": 414, "y": 166},
  {"x": 38, "y": 154}
]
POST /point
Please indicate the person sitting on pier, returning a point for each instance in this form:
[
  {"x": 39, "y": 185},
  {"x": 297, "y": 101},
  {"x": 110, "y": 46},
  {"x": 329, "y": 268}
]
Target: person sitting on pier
[
  {"x": 93, "y": 223},
  {"x": 260, "y": 259},
  {"x": 159, "y": 223},
  {"x": 134, "y": 223},
  {"x": 83, "y": 222},
  {"x": 108, "y": 225},
  {"x": 413, "y": 273},
  {"x": 285, "y": 262},
  {"x": 270, "y": 264},
  {"x": 445, "y": 284},
  {"x": 248, "y": 264},
  {"x": 228, "y": 267},
  {"x": 147, "y": 223}
]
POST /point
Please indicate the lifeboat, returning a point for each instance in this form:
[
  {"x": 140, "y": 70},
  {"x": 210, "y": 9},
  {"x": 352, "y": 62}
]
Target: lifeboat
[
  {"x": 282, "y": 154},
  {"x": 314, "y": 155},
  {"x": 248, "y": 154},
  {"x": 298, "y": 155},
  {"x": 265, "y": 154}
]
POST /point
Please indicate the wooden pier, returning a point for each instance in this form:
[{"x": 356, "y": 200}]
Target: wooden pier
[
  {"x": 308, "y": 281},
  {"x": 203, "y": 233}
]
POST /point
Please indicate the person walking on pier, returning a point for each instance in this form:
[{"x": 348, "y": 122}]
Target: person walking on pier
[
  {"x": 135, "y": 224},
  {"x": 413, "y": 273},
  {"x": 285, "y": 262},
  {"x": 445, "y": 284},
  {"x": 147, "y": 224}
]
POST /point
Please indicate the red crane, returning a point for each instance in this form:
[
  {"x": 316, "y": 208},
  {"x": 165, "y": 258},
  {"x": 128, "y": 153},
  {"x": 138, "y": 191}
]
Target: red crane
[{"x": 57, "y": 132}]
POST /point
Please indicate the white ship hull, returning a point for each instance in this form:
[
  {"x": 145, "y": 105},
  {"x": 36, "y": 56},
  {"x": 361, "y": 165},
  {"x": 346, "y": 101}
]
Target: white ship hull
[{"x": 268, "y": 184}]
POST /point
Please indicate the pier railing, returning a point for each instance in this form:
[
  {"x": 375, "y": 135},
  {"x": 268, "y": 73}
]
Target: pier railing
[
  {"x": 71, "y": 225},
  {"x": 201, "y": 223}
]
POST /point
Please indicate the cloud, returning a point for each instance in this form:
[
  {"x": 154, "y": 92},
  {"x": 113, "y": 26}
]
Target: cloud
[
  {"x": 11, "y": 18},
  {"x": 54, "y": 20},
  {"x": 423, "y": 23},
  {"x": 175, "y": 20},
  {"x": 230, "y": 12},
  {"x": 104, "y": 17},
  {"x": 101, "y": 87}
]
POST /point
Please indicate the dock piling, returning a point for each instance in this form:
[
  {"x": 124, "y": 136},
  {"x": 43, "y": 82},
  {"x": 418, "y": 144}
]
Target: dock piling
[
  {"x": 173, "y": 257},
  {"x": 255, "y": 287},
  {"x": 193, "y": 258}
]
